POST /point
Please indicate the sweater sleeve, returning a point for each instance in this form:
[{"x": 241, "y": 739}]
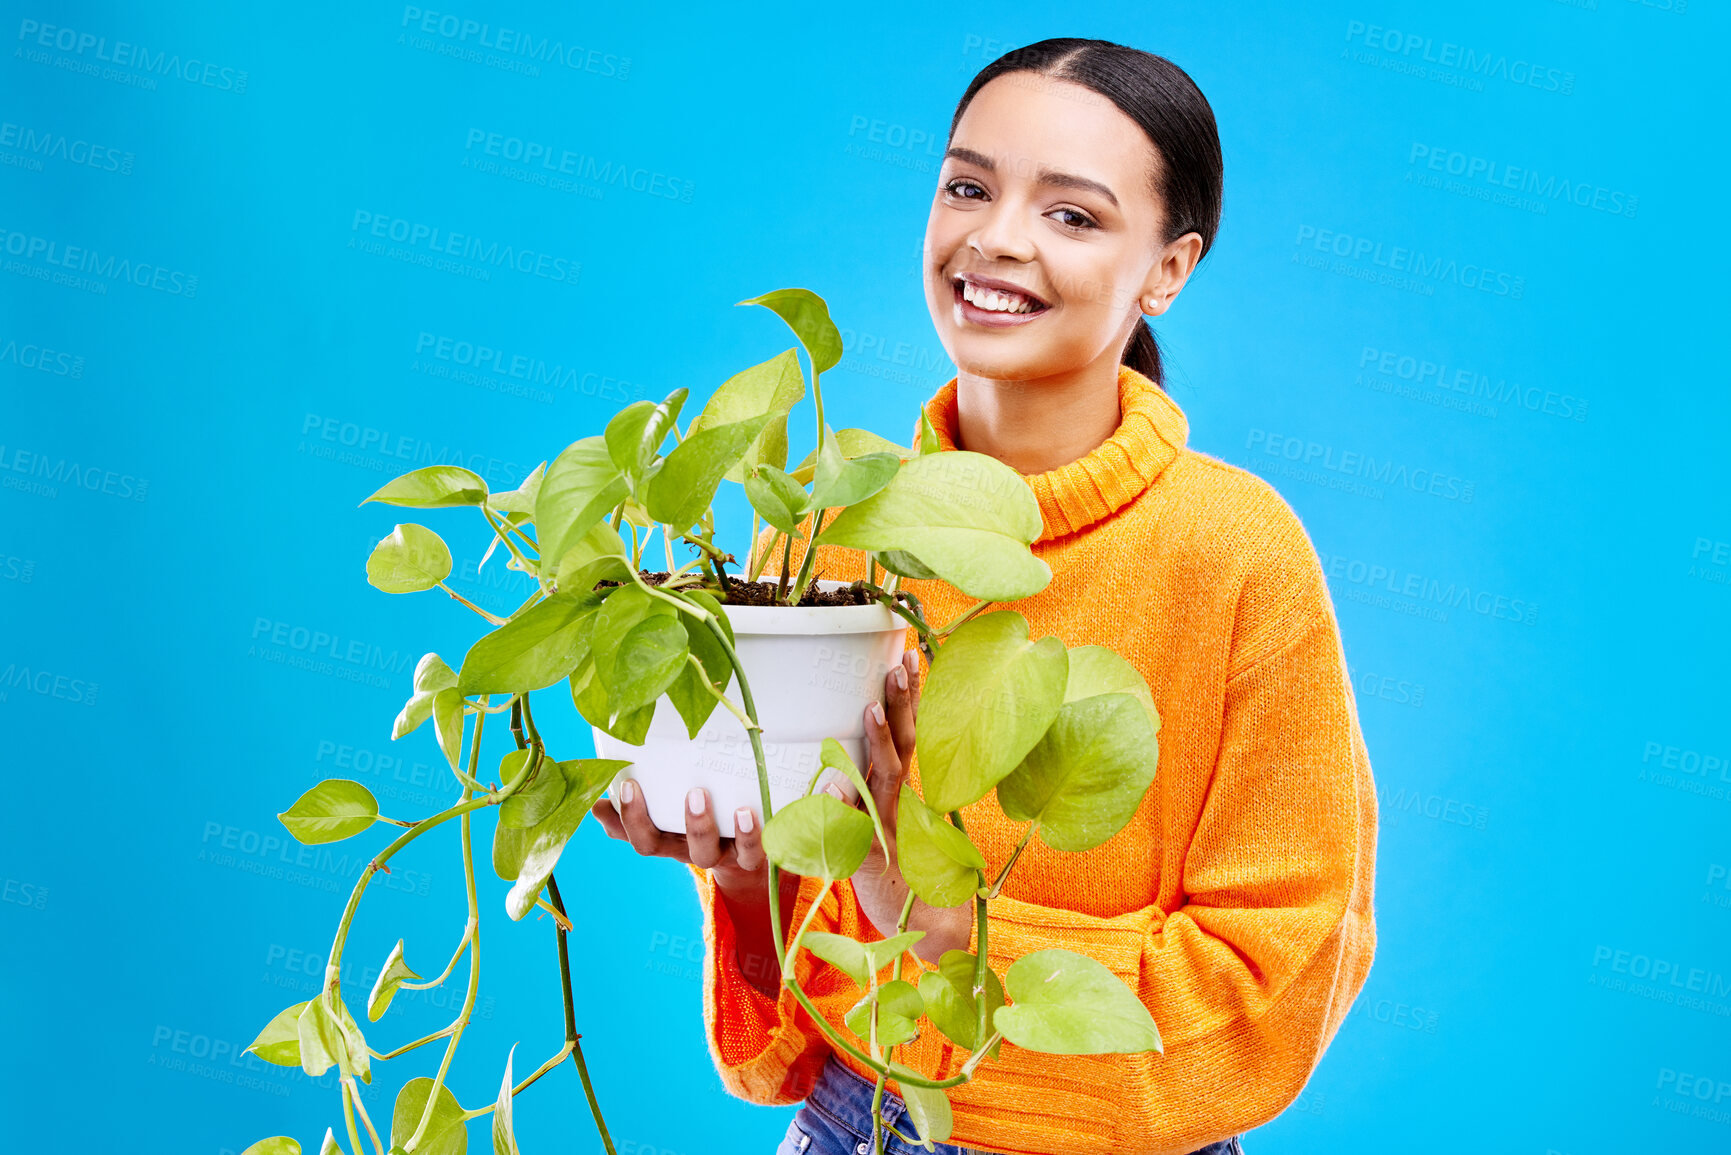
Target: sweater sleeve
[
  {"x": 768, "y": 1050},
  {"x": 1249, "y": 979}
]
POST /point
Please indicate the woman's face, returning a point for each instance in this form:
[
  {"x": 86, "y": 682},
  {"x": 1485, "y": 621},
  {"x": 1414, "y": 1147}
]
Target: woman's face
[{"x": 1044, "y": 236}]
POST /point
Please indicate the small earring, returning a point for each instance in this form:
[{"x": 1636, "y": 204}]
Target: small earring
[{"x": 1152, "y": 304}]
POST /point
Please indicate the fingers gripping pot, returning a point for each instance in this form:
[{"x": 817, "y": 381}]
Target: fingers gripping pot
[{"x": 813, "y": 670}]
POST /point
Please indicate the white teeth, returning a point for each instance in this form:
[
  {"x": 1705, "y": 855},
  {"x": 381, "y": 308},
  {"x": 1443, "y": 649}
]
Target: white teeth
[{"x": 994, "y": 301}]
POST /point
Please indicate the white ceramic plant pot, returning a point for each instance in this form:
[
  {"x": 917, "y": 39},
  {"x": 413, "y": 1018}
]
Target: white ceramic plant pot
[{"x": 812, "y": 669}]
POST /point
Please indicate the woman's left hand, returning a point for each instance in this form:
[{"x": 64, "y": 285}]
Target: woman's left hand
[{"x": 878, "y": 883}]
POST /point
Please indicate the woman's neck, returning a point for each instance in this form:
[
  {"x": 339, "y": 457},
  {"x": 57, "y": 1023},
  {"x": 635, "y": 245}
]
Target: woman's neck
[{"x": 1040, "y": 425}]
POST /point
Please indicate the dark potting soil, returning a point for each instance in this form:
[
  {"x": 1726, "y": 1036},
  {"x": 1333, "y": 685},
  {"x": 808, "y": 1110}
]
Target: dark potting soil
[{"x": 763, "y": 593}]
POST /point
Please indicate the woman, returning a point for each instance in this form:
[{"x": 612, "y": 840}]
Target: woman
[{"x": 1081, "y": 187}]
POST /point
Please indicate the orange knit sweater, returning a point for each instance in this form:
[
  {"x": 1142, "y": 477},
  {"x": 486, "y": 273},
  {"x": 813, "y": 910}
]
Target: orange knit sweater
[{"x": 1238, "y": 900}]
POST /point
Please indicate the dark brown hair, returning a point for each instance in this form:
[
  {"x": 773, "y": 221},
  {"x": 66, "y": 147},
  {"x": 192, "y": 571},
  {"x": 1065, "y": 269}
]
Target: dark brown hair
[{"x": 1162, "y": 99}]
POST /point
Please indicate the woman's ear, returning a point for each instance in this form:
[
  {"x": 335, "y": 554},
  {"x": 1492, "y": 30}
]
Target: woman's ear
[{"x": 1172, "y": 268}]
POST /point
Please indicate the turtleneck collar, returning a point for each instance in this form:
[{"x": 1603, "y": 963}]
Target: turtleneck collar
[{"x": 1151, "y": 433}]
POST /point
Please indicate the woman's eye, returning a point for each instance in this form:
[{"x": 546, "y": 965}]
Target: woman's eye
[
  {"x": 1070, "y": 218},
  {"x": 965, "y": 189}
]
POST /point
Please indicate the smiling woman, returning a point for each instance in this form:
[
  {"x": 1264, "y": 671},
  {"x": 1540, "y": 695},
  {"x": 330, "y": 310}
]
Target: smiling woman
[{"x": 1081, "y": 184}]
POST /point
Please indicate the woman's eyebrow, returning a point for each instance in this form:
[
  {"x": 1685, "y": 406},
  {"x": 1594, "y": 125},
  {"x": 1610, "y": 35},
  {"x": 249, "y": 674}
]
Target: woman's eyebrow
[{"x": 1045, "y": 176}]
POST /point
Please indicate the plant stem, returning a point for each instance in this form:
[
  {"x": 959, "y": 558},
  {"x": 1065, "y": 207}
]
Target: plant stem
[
  {"x": 349, "y": 1117},
  {"x": 462, "y": 945},
  {"x": 980, "y": 966},
  {"x": 793, "y": 947},
  {"x": 964, "y": 617},
  {"x": 786, "y": 564},
  {"x": 492, "y": 618},
  {"x": 474, "y": 986},
  {"x": 525, "y": 1084},
  {"x": 572, "y": 1038},
  {"x": 407, "y": 1047},
  {"x": 366, "y": 1121},
  {"x": 1014, "y": 855},
  {"x": 528, "y": 567},
  {"x": 809, "y": 561},
  {"x": 917, "y": 621},
  {"x": 703, "y": 675}
]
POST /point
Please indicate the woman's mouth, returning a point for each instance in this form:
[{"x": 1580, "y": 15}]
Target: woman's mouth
[{"x": 994, "y": 304}]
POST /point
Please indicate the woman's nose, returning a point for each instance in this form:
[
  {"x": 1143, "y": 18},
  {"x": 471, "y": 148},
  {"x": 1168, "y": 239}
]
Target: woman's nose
[{"x": 1002, "y": 234}]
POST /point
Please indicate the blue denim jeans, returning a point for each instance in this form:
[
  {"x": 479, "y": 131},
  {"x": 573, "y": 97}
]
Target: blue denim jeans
[{"x": 836, "y": 1119}]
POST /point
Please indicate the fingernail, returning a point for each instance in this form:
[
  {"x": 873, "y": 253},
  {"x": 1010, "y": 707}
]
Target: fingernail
[
  {"x": 910, "y": 661},
  {"x": 695, "y": 800},
  {"x": 628, "y": 792},
  {"x": 744, "y": 821},
  {"x": 900, "y": 675},
  {"x": 877, "y": 712},
  {"x": 835, "y": 792}
]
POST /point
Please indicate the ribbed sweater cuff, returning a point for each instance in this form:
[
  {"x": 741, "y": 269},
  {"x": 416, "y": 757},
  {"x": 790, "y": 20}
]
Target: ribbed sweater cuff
[{"x": 756, "y": 1042}]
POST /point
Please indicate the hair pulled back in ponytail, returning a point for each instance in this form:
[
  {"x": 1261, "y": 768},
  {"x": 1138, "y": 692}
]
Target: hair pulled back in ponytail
[{"x": 1166, "y": 104}]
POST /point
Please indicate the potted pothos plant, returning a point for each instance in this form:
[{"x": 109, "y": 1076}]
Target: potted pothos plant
[{"x": 695, "y": 675}]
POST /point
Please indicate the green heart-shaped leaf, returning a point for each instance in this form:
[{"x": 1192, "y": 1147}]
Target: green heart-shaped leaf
[
  {"x": 434, "y": 487},
  {"x": 504, "y": 1130},
  {"x": 279, "y": 1042},
  {"x": 991, "y": 694},
  {"x": 949, "y": 995},
  {"x": 936, "y": 859},
  {"x": 543, "y": 843},
  {"x": 1097, "y": 670},
  {"x": 768, "y": 390},
  {"x": 412, "y": 559},
  {"x": 807, "y": 315},
  {"x": 1085, "y": 778},
  {"x": 635, "y": 434},
  {"x": 899, "y": 1007},
  {"x": 859, "y": 961},
  {"x": 534, "y": 649},
  {"x": 431, "y": 676},
  {"x": 335, "y": 809},
  {"x": 928, "y": 1107},
  {"x": 818, "y": 835},
  {"x": 1064, "y": 1003},
  {"x": 391, "y": 976},
  {"x": 581, "y": 487},
  {"x": 275, "y": 1145},
  {"x": 686, "y": 483},
  {"x": 777, "y": 496},
  {"x": 522, "y": 499},
  {"x": 445, "y": 1133},
  {"x": 967, "y": 517}
]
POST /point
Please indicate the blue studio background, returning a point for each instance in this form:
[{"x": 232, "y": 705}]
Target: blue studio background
[{"x": 1463, "y": 313}]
